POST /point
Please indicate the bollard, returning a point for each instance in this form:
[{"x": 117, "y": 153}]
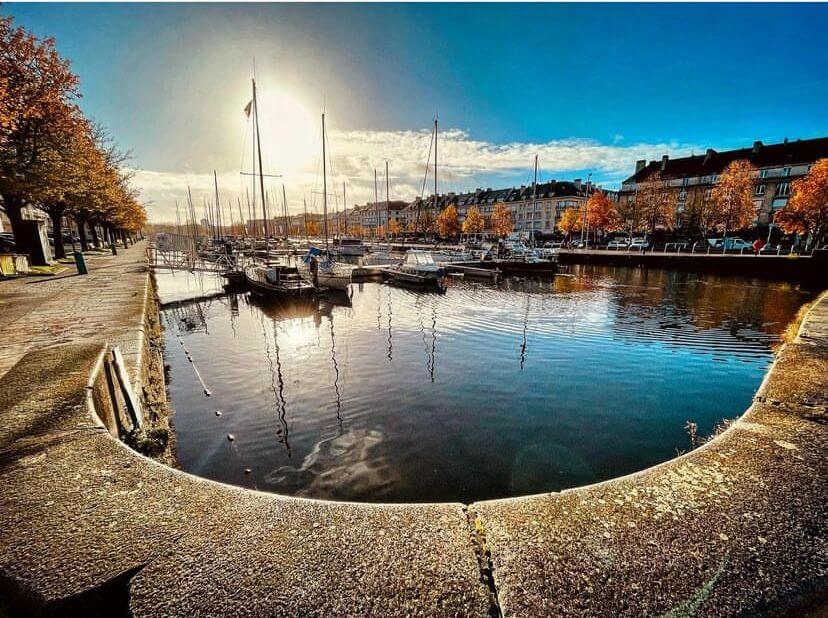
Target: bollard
[
  {"x": 113, "y": 248},
  {"x": 80, "y": 263}
]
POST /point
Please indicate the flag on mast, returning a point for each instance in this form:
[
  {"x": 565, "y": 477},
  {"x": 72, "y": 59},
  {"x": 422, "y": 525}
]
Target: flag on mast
[{"x": 248, "y": 107}]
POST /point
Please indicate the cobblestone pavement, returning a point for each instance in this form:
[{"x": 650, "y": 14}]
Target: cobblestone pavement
[{"x": 39, "y": 312}]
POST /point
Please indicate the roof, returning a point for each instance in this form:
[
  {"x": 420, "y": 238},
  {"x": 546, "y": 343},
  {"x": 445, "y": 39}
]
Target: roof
[
  {"x": 760, "y": 155},
  {"x": 553, "y": 188}
]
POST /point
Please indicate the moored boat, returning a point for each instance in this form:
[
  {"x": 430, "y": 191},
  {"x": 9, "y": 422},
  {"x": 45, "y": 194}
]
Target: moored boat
[
  {"x": 278, "y": 281},
  {"x": 418, "y": 268},
  {"x": 349, "y": 247}
]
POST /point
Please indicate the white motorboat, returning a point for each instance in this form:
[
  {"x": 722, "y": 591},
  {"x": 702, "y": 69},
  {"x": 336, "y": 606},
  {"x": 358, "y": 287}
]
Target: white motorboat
[{"x": 418, "y": 268}]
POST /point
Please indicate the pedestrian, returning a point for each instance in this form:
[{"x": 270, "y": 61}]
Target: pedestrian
[{"x": 757, "y": 246}]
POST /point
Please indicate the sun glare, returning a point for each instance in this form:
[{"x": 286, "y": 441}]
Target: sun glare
[{"x": 290, "y": 133}]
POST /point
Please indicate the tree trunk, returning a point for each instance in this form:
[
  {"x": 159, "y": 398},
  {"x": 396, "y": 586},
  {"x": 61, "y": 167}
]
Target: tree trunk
[
  {"x": 56, "y": 215},
  {"x": 95, "y": 240},
  {"x": 13, "y": 207},
  {"x": 81, "y": 222}
]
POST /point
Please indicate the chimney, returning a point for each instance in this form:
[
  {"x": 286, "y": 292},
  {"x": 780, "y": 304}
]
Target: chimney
[
  {"x": 757, "y": 145},
  {"x": 786, "y": 141},
  {"x": 710, "y": 153},
  {"x": 664, "y": 160},
  {"x": 640, "y": 165},
  {"x": 577, "y": 183}
]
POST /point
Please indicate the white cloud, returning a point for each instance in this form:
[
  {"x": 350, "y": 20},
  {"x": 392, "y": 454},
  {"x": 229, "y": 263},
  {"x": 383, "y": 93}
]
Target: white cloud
[{"x": 464, "y": 163}]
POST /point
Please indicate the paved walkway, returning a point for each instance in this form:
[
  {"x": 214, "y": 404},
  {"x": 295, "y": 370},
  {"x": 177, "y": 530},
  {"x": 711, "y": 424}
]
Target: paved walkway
[
  {"x": 88, "y": 527},
  {"x": 39, "y": 312}
]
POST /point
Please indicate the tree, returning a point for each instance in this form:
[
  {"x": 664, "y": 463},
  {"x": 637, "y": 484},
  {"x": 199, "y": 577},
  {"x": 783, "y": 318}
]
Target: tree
[
  {"x": 312, "y": 228},
  {"x": 394, "y": 227},
  {"x": 655, "y": 203},
  {"x": 474, "y": 222},
  {"x": 39, "y": 103},
  {"x": 601, "y": 213},
  {"x": 629, "y": 215},
  {"x": 65, "y": 177},
  {"x": 447, "y": 222},
  {"x": 807, "y": 209},
  {"x": 502, "y": 220},
  {"x": 698, "y": 211},
  {"x": 570, "y": 222},
  {"x": 732, "y": 197}
]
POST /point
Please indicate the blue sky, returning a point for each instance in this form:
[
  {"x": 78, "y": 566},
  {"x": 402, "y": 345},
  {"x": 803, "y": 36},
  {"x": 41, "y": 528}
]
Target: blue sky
[{"x": 588, "y": 87}]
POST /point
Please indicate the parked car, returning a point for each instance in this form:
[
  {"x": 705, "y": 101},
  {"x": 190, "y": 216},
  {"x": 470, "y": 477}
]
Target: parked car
[
  {"x": 618, "y": 243},
  {"x": 640, "y": 244},
  {"x": 553, "y": 244},
  {"x": 769, "y": 249},
  {"x": 730, "y": 244}
]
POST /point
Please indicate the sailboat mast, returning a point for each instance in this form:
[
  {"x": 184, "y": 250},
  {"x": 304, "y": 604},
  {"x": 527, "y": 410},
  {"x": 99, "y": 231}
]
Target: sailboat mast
[
  {"x": 287, "y": 218},
  {"x": 376, "y": 205},
  {"x": 324, "y": 187},
  {"x": 259, "y": 149},
  {"x": 218, "y": 203},
  {"x": 305, "y": 211},
  {"x": 387, "y": 203},
  {"x": 344, "y": 209},
  {"x": 534, "y": 201},
  {"x": 435, "y": 165}
]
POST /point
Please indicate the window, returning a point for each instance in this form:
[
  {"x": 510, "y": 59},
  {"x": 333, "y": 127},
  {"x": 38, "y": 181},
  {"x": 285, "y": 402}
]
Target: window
[
  {"x": 682, "y": 195},
  {"x": 786, "y": 171},
  {"x": 763, "y": 173},
  {"x": 708, "y": 193},
  {"x": 783, "y": 189},
  {"x": 760, "y": 190}
]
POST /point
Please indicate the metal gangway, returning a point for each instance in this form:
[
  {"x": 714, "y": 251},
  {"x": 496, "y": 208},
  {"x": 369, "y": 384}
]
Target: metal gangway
[{"x": 180, "y": 252}]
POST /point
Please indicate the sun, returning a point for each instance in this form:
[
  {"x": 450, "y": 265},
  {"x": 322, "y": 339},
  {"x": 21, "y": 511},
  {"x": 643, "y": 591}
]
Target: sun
[{"x": 291, "y": 134}]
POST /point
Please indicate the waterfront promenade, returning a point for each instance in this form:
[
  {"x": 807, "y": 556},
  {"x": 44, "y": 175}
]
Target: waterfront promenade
[
  {"x": 87, "y": 526},
  {"x": 39, "y": 312}
]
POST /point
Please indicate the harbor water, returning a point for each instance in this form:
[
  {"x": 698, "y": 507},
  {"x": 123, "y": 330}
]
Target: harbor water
[{"x": 484, "y": 391}]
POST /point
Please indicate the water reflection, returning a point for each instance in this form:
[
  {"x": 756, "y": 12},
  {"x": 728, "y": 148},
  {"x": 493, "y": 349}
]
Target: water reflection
[
  {"x": 328, "y": 398},
  {"x": 277, "y": 383}
]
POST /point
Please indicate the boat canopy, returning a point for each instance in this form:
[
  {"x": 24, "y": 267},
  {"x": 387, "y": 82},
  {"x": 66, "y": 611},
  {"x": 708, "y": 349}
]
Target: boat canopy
[{"x": 418, "y": 258}]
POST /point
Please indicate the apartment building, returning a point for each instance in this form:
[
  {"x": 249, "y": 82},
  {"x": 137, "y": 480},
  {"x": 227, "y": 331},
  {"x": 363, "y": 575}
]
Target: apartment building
[
  {"x": 693, "y": 177},
  {"x": 533, "y": 209}
]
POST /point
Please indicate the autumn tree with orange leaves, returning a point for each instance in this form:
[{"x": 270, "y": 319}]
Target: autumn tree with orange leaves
[
  {"x": 447, "y": 222},
  {"x": 474, "y": 223},
  {"x": 502, "y": 224},
  {"x": 571, "y": 221},
  {"x": 39, "y": 108},
  {"x": 51, "y": 157},
  {"x": 394, "y": 227},
  {"x": 312, "y": 228},
  {"x": 655, "y": 203},
  {"x": 807, "y": 209},
  {"x": 601, "y": 213},
  {"x": 732, "y": 198}
]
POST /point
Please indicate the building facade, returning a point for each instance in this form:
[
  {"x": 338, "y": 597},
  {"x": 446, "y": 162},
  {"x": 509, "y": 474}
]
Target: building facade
[
  {"x": 693, "y": 177},
  {"x": 536, "y": 209}
]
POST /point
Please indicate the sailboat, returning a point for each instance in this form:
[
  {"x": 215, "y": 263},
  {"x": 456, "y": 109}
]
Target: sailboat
[
  {"x": 325, "y": 271},
  {"x": 272, "y": 280}
]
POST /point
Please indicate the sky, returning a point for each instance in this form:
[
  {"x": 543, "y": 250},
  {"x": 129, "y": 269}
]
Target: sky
[{"x": 588, "y": 88}]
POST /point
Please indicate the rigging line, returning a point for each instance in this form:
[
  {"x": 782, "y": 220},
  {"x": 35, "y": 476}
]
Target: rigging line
[{"x": 427, "y": 166}]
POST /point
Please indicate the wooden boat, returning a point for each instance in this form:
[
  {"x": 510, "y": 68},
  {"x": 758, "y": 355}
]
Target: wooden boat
[{"x": 278, "y": 281}]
